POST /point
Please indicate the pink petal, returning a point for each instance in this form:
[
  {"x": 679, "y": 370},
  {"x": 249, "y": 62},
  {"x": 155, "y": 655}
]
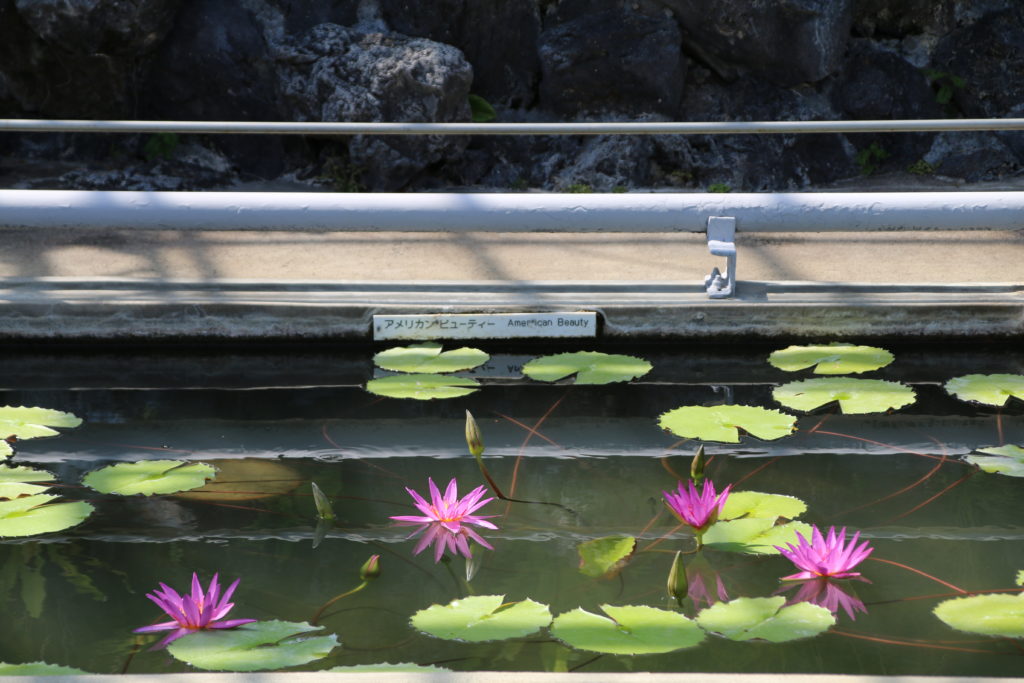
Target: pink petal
[
  {"x": 230, "y": 623},
  {"x": 165, "y": 626}
]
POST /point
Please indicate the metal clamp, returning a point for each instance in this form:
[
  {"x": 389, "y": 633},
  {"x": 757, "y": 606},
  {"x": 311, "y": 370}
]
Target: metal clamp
[{"x": 722, "y": 242}]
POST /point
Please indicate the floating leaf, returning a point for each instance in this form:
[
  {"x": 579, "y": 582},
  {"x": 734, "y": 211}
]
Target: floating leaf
[
  {"x": 19, "y": 481},
  {"x": 253, "y": 647},
  {"x": 1020, "y": 578},
  {"x": 1008, "y": 460},
  {"x": 855, "y": 396},
  {"x": 30, "y": 423},
  {"x": 422, "y": 387},
  {"x": 753, "y": 535},
  {"x": 601, "y": 555},
  {"x": 763, "y": 505},
  {"x": 5, "y": 449},
  {"x": 836, "y": 358},
  {"x": 478, "y": 618},
  {"x": 590, "y": 367},
  {"x": 149, "y": 477},
  {"x": 993, "y": 390},
  {"x": 428, "y": 358},
  {"x": 30, "y": 515},
  {"x": 631, "y": 630},
  {"x": 765, "y": 619},
  {"x": 247, "y": 479},
  {"x": 386, "y": 668},
  {"x": 38, "y": 669},
  {"x": 721, "y": 423},
  {"x": 990, "y": 614}
]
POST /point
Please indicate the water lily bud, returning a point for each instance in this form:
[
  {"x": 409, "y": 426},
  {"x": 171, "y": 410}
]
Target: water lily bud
[
  {"x": 323, "y": 505},
  {"x": 697, "y": 466},
  {"x": 677, "y": 584},
  {"x": 370, "y": 569},
  {"x": 474, "y": 439}
]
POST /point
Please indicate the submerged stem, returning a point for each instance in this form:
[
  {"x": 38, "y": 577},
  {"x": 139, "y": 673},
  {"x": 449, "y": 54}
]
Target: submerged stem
[{"x": 335, "y": 599}]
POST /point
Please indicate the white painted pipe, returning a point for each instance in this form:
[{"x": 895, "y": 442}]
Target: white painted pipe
[
  {"x": 497, "y": 128},
  {"x": 529, "y": 212}
]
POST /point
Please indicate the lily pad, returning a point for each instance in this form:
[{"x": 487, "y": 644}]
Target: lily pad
[
  {"x": 992, "y": 614},
  {"x": 855, "y": 396},
  {"x": 722, "y": 423},
  {"x": 21, "y": 481},
  {"x": 30, "y": 515},
  {"x": 628, "y": 630},
  {"x": 149, "y": 477},
  {"x": 30, "y": 423},
  {"x": 247, "y": 479},
  {"x": 5, "y": 449},
  {"x": 253, "y": 647},
  {"x": 763, "y": 505},
  {"x": 993, "y": 390},
  {"x": 38, "y": 669},
  {"x": 428, "y": 358},
  {"x": 590, "y": 367},
  {"x": 599, "y": 556},
  {"x": 765, "y": 619},
  {"x": 836, "y": 358},
  {"x": 1008, "y": 460},
  {"x": 753, "y": 535},
  {"x": 480, "y": 618},
  {"x": 422, "y": 386}
]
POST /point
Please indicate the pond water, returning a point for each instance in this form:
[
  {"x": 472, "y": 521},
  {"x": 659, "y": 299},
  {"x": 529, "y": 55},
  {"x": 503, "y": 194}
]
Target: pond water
[{"x": 272, "y": 423}]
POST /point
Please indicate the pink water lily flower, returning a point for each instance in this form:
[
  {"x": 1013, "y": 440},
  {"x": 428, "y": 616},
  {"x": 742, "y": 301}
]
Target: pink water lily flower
[
  {"x": 445, "y": 519},
  {"x": 827, "y": 594},
  {"x": 192, "y": 612},
  {"x": 699, "y": 510},
  {"x": 821, "y": 556}
]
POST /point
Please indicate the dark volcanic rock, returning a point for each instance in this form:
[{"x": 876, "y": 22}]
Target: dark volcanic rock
[
  {"x": 336, "y": 73},
  {"x": 899, "y": 18},
  {"x": 611, "y": 59},
  {"x": 876, "y": 84},
  {"x": 498, "y": 37},
  {"x": 77, "y": 58},
  {"x": 971, "y": 156},
  {"x": 785, "y": 41}
]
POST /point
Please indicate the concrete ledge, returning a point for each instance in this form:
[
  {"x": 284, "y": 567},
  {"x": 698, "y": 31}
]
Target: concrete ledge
[{"x": 107, "y": 309}]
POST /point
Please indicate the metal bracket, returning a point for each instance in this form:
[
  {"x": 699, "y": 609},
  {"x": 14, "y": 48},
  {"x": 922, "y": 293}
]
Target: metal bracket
[{"x": 722, "y": 242}]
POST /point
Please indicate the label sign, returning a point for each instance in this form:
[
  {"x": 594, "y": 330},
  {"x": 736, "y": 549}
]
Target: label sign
[{"x": 484, "y": 326}]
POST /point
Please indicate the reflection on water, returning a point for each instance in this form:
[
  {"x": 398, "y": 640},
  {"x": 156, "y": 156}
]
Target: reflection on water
[{"x": 939, "y": 527}]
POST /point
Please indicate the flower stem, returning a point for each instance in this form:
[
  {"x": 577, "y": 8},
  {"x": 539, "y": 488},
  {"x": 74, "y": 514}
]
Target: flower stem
[{"x": 335, "y": 599}]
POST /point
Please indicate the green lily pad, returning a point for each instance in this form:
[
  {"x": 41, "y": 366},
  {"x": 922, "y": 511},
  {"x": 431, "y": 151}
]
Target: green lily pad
[
  {"x": 38, "y": 669},
  {"x": 480, "y": 618},
  {"x": 149, "y": 477},
  {"x": 253, "y": 647},
  {"x": 992, "y": 614},
  {"x": 30, "y": 423},
  {"x": 753, "y": 535},
  {"x": 599, "y": 556},
  {"x": 855, "y": 396},
  {"x": 630, "y": 630},
  {"x": 590, "y": 367},
  {"x": 765, "y": 619},
  {"x": 422, "y": 386},
  {"x": 763, "y": 505},
  {"x": 993, "y": 390},
  {"x": 428, "y": 358},
  {"x": 20, "y": 481},
  {"x": 5, "y": 449},
  {"x": 722, "y": 423},
  {"x": 30, "y": 515},
  {"x": 1008, "y": 460},
  {"x": 836, "y": 358}
]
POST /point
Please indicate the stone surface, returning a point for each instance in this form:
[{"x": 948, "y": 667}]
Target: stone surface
[
  {"x": 899, "y": 18},
  {"x": 611, "y": 59},
  {"x": 341, "y": 74},
  {"x": 972, "y": 156},
  {"x": 785, "y": 41},
  {"x": 498, "y": 37}
]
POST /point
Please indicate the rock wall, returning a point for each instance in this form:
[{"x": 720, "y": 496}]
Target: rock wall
[{"x": 531, "y": 60}]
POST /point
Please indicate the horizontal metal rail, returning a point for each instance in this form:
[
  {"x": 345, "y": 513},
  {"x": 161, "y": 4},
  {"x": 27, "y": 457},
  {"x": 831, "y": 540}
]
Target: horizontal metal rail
[
  {"x": 525, "y": 212},
  {"x": 579, "y": 128}
]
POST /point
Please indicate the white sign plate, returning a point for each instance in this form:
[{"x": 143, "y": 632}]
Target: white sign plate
[{"x": 484, "y": 326}]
